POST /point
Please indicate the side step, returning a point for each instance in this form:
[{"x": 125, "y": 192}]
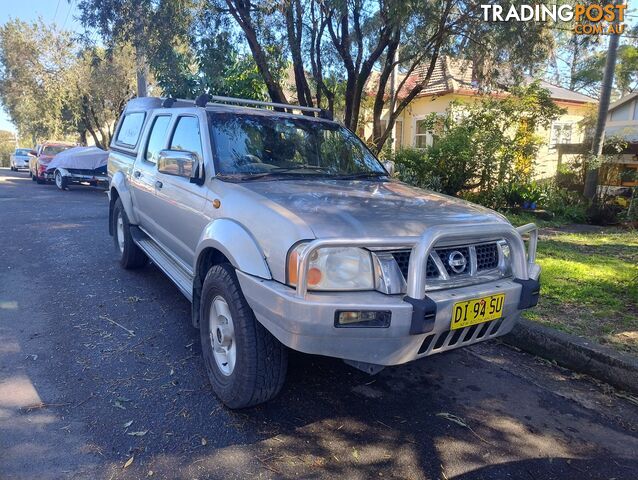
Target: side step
[{"x": 171, "y": 267}]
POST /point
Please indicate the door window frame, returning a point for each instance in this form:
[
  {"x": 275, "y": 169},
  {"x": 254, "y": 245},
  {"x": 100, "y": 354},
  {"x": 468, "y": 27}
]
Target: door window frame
[{"x": 150, "y": 132}]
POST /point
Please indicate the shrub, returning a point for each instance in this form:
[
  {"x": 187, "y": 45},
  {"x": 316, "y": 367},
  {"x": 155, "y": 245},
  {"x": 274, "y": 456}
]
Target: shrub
[{"x": 480, "y": 146}]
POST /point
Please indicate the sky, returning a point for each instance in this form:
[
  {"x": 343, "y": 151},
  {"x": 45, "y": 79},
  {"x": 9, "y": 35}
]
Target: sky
[{"x": 63, "y": 12}]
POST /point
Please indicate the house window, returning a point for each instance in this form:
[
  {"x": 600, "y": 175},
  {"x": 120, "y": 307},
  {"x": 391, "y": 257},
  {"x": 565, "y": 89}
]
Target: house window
[
  {"x": 561, "y": 133},
  {"x": 422, "y": 136},
  {"x": 398, "y": 135}
]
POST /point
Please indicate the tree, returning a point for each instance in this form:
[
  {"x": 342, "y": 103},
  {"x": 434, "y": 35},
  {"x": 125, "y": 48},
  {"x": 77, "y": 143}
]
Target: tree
[
  {"x": 355, "y": 41},
  {"x": 7, "y": 147},
  {"x": 35, "y": 60},
  {"x": 150, "y": 26},
  {"x": 589, "y": 76},
  {"x": 53, "y": 88},
  {"x": 104, "y": 81}
]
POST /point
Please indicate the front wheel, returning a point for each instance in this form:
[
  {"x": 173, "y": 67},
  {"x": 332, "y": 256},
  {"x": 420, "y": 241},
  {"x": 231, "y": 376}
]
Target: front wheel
[
  {"x": 131, "y": 256},
  {"x": 60, "y": 181},
  {"x": 246, "y": 365}
]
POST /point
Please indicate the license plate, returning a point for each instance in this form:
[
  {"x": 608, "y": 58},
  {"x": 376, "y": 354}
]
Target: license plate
[{"x": 477, "y": 310}]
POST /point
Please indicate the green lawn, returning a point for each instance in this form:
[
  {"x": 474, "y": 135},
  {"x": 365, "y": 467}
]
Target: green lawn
[{"x": 590, "y": 285}]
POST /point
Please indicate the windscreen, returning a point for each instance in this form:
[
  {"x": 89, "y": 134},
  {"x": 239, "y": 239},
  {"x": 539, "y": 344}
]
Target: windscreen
[
  {"x": 51, "y": 150},
  {"x": 255, "y": 144},
  {"x": 23, "y": 152}
]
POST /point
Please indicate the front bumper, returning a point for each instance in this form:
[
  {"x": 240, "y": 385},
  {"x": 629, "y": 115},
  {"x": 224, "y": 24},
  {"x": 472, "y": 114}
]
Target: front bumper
[
  {"x": 307, "y": 324},
  {"x": 305, "y": 321}
]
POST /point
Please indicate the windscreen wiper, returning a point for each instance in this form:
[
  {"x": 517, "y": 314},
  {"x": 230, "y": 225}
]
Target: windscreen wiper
[{"x": 355, "y": 176}]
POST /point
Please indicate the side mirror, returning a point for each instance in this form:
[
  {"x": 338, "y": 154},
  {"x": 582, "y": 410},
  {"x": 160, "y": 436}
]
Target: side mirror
[
  {"x": 181, "y": 164},
  {"x": 389, "y": 166}
]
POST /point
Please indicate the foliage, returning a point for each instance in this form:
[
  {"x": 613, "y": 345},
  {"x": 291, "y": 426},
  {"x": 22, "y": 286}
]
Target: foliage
[
  {"x": 481, "y": 146},
  {"x": 590, "y": 74},
  {"x": 7, "y": 147},
  {"x": 104, "y": 82},
  {"x": 34, "y": 84},
  {"x": 54, "y": 89}
]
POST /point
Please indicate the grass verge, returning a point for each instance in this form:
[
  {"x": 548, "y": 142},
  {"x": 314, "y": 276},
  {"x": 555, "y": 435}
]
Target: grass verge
[{"x": 590, "y": 285}]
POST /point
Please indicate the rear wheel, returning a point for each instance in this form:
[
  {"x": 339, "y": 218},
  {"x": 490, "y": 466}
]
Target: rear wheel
[
  {"x": 131, "y": 256},
  {"x": 246, "y": 365},
  {"x": 60, "y": 181}
]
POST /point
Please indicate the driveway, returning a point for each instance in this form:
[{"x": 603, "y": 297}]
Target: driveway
[{"x": 101, "y": 377}]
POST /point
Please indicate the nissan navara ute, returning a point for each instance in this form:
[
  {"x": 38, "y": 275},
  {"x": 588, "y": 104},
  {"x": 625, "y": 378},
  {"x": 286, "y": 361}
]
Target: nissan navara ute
[{"x": 285, "y": 231}]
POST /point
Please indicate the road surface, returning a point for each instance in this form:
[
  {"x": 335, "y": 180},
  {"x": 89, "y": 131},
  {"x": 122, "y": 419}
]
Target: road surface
[{"x": 101, "y": 377}]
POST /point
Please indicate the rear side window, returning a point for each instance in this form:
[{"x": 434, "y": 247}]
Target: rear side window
[
  {"x": 186, "y": 136},
  {"x": 130, "y": 130},
  {"x": 157, "y": 138}
]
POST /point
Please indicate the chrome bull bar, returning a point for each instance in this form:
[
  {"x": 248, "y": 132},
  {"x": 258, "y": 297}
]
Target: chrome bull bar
[{"x": 523, "y": 260}]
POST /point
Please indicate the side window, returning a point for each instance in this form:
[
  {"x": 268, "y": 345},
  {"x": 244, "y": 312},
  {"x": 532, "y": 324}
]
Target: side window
[
  {"x": 186, "y": 136},
  {"x": 157, "y": 138},
  {"x": 130, "y": 130}
]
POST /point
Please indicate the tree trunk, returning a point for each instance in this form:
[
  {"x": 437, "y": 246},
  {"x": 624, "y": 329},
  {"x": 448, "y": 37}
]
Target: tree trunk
[
  {"x": 141, "y": 66},
  {"x": 294, "y": 27},
  {"x": 241, "y": 13}
]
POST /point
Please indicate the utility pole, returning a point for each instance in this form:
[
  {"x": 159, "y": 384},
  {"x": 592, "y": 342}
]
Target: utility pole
[{"x": 591, "y": 180}]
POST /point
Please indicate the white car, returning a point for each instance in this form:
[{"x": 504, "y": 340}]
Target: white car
[{"x": 20, "y": 159}]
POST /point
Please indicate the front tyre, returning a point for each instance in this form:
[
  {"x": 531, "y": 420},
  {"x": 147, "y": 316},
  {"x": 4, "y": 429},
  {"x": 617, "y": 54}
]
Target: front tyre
[
  {"x": 131, "y": 256},
  {"x": 246, "y": 365},
  {"x": 60, "y": 181}
]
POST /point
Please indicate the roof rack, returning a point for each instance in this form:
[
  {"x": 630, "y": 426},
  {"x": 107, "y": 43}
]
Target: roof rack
[{"x": 203, "y": 99}]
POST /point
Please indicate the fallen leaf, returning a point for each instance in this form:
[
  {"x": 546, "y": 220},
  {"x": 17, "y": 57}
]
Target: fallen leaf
[
  {"x": 129, "y": 462},
  {"x": 150, "y": 473},
  {"x": 355, "y": 453},
  {"x": 453, "y": 418},
  {"x": 128, "y": 424},
  {"x": 118, "y": 404},
  {"x": 138, "y": 434},
  {"x": 204, "y": 441}
]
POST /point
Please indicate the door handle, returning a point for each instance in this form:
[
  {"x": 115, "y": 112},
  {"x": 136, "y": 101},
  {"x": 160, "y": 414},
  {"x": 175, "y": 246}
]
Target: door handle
[
  {"x": 158, "y": 184},
  {"x": 137, "y": 174}
]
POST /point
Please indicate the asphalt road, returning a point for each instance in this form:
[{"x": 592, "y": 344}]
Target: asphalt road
[{"x": 99, "y": 365}]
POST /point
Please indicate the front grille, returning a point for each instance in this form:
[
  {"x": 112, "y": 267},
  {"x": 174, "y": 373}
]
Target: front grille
[
  {"x": 486, "y": 256},
  {"x": 449, "y": 339},
  {"x": 486, "y": 259},
  {"x": 85, "y": 171},
  {"x": 402, "y": 258}
]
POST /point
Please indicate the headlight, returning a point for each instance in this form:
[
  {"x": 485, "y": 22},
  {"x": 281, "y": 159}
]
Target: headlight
[
  {"x": 334, "y": 268},
  {"x": 505, "y": 264}
]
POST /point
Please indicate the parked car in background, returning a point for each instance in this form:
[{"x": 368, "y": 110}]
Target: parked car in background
[
  {"x": 285, "y": 231},
  {"x": 19, "y": 159},
  {"x": 44, "y": 155},
  {"x": 79, "y": 165}
]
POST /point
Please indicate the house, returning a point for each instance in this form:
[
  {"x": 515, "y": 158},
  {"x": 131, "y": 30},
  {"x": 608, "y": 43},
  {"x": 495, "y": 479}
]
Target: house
[
  {"x": 622, "y": 122},
  {"x": 452, "y": 80}
]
